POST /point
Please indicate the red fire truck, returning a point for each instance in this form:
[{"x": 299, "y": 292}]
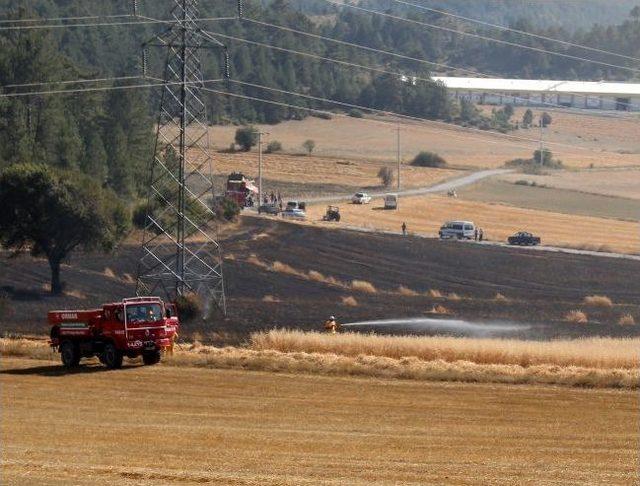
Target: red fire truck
[
  {"x": 139, "y": 326},
  {"x": 241, "y": 190}
]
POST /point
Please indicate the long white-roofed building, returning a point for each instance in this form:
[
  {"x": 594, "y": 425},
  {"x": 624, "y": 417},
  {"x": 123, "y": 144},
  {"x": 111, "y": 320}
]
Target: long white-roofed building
[{"x": 595, "y": 95}]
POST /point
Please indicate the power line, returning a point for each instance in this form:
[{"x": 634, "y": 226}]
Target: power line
[
  {"x": 480, "y": 36},
  {"x": 399, "y": 115},
  {"x": 398, "y": 74},
  {"x": 373, "y": 49},
  {"x": 99, "y": 24},
  {"x": 71, "y": 81},
  {"x": 101, "y": 88},
  {"x": 517, "y": 31},
  {"x": 62, "y": 19}
]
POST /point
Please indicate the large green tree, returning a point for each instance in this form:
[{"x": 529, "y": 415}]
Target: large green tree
[{"x": 51, "y": 213}]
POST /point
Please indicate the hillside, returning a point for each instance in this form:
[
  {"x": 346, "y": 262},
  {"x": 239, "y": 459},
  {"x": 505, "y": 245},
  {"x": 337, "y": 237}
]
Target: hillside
[{"x": 568, "y": 14}]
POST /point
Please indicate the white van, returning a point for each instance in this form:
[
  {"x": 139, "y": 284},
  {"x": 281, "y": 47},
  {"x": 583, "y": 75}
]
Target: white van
[
  {"x": 458, "y": 229},
  {"x": 391, "y": 201}
]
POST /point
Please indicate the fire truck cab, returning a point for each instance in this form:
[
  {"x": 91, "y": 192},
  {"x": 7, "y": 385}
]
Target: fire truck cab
[{"x": 138, "y": 326}]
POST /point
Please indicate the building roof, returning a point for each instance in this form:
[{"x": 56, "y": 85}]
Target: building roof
[{"x": 541, "y": 86}]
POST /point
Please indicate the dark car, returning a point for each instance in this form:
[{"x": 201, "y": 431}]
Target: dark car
[
  {"x": 268, "y": 209},
  {"x": 524, "y": 238}
]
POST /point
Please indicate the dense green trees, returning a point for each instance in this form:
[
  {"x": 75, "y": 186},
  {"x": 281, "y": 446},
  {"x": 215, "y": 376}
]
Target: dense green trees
[
  {"x": 108, "y": 136},
  {"x": 50, "y": 213}
]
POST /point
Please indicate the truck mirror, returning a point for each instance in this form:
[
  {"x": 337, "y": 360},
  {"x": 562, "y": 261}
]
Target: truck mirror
[{"x": 168, "y": 312}]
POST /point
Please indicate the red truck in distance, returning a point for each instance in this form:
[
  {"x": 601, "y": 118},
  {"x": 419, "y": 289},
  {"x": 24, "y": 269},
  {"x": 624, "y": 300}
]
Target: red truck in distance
[{"x": 138, "y": 326}]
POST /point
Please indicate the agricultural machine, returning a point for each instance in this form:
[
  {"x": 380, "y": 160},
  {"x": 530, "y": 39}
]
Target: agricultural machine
[
  {"x": 332, "y": 214},
  {"x": 138, "y": 326}
]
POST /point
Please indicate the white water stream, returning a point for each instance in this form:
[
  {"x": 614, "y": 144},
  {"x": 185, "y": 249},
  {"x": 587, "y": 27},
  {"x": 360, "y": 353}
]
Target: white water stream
[{"x": 454, "y": 326}]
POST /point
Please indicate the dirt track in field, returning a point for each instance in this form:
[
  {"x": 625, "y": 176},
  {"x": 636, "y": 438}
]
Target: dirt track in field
[
  {"x": 541, "y": 287},
  {"x": 162, "y": 425}
]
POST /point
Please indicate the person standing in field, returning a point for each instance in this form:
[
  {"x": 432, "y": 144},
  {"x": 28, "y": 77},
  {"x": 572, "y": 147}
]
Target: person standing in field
[
  {"x": 331, "y": 326},
  {"x": 481, "y": 234},
  {"x": 404, "y": 229}
]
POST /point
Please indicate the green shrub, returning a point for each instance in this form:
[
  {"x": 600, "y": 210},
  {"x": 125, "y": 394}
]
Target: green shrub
[
  {"x": 322, "y": 115},
  {"x": 189, "y": 306},
  {"x": 428, "y": 159},
  {"x": 274, "y": 146},
  {"x": 139, "y": 214},
  {"x": 355, "y": 113},
  {"x": 246, "y": 137},
  {"x": 227, "y": 209}
]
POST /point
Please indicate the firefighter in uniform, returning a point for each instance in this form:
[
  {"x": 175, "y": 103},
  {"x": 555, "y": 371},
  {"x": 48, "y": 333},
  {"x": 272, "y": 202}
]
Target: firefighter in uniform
[{"x": 331, "y": 326}]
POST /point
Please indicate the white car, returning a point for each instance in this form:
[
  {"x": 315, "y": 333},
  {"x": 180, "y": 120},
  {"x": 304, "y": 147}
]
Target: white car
[
  {"x": 294, "y": 214},
  {"x": 361, "y": 198}
]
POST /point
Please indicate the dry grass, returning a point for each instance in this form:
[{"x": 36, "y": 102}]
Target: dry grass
[
  {"x": 615, "y": 182},
  {"x": 597, "y": 362},
  {"x": 109, "y": 273},
  {"x": 349, "y": 301},
  {"x": 453, "y": 296},
  {"x": 627, "y": 320},
  {"x": 284, "y": 268},
  {"x": 425, "y": 214},
  {"x": 406, "y": 291},
  {"x": 239, "y": 428},
  {"x": 601, "y": 353},
  {"x": 75, "y": 294},
  {"x": 356, "y": 139},
  {"x": 127, "y": 278},
  {"x": 316, "y": 276},
  {"x": 500, "y": 298},
  {"x": 434, "y": 294},
  {"x": 363, "y": 286},
  {"x": 439, "y": 309},
  {"x": 270, "y": 298},
  {"x": 576, "y": 317},
  {"x": 598, "y": 301}
]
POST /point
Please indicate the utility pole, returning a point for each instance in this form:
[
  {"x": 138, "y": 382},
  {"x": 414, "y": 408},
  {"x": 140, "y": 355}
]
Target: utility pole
[
  {"x": 260, "y": 135},
  {"x": 541, "y": 141},
  {"x": 180, "y": 253},
  {"x": 398, "y": 155}
]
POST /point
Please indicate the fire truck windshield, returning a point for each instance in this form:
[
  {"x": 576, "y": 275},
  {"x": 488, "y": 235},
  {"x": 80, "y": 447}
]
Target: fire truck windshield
[{"x": 144, "y": 313}]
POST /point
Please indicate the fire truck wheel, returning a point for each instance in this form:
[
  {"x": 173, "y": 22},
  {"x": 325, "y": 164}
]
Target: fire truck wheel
[
  {"x": 112, "y": 357},
  {"x": 151, "y": 358},
  {"x": 70, "y": 354}
]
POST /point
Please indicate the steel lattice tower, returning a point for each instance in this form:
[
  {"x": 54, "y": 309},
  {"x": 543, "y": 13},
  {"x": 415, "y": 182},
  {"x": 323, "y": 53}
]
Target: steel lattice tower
[{"x": 180, "y": 251}]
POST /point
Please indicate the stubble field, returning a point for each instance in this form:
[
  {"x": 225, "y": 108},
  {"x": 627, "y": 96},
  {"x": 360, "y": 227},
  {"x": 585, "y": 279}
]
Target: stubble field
[
  {"x": 425, "y": 214},
  {"x": 165, "y": 425},
  {"x": 578, "y": 140}
]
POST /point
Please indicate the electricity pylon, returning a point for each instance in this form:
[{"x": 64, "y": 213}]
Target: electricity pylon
[{"x": 180, "y": 251}]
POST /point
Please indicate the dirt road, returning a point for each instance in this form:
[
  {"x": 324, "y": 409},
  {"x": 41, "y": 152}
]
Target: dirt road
[
  {"x": 163, "y": 425},
  {"x": 448, "y": 185}
]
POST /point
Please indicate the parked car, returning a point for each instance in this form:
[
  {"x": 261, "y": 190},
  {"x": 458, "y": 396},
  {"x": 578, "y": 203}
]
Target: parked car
[
  {"x": 294, "y": 214},
  {"x": 296, "y": 205},
  {"x": 524, "y": 238},
  {"x": 458, "y": 230},
  {"x": 361, "y": 198},
  {"x": 268, "y": 209},
  {"x": 391, "y": 201}
]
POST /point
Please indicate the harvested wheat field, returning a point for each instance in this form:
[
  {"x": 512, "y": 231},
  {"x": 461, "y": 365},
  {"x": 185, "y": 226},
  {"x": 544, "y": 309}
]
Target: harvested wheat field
[
  {"x": 425, "y": 214},
  {"x": 168, "y": 425},
  {"x": 551, "y": 199},
  {"x": 582, "y": 140},
  {"x": 622, "y": 183},
  {"x": 324, "y": 170}
]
